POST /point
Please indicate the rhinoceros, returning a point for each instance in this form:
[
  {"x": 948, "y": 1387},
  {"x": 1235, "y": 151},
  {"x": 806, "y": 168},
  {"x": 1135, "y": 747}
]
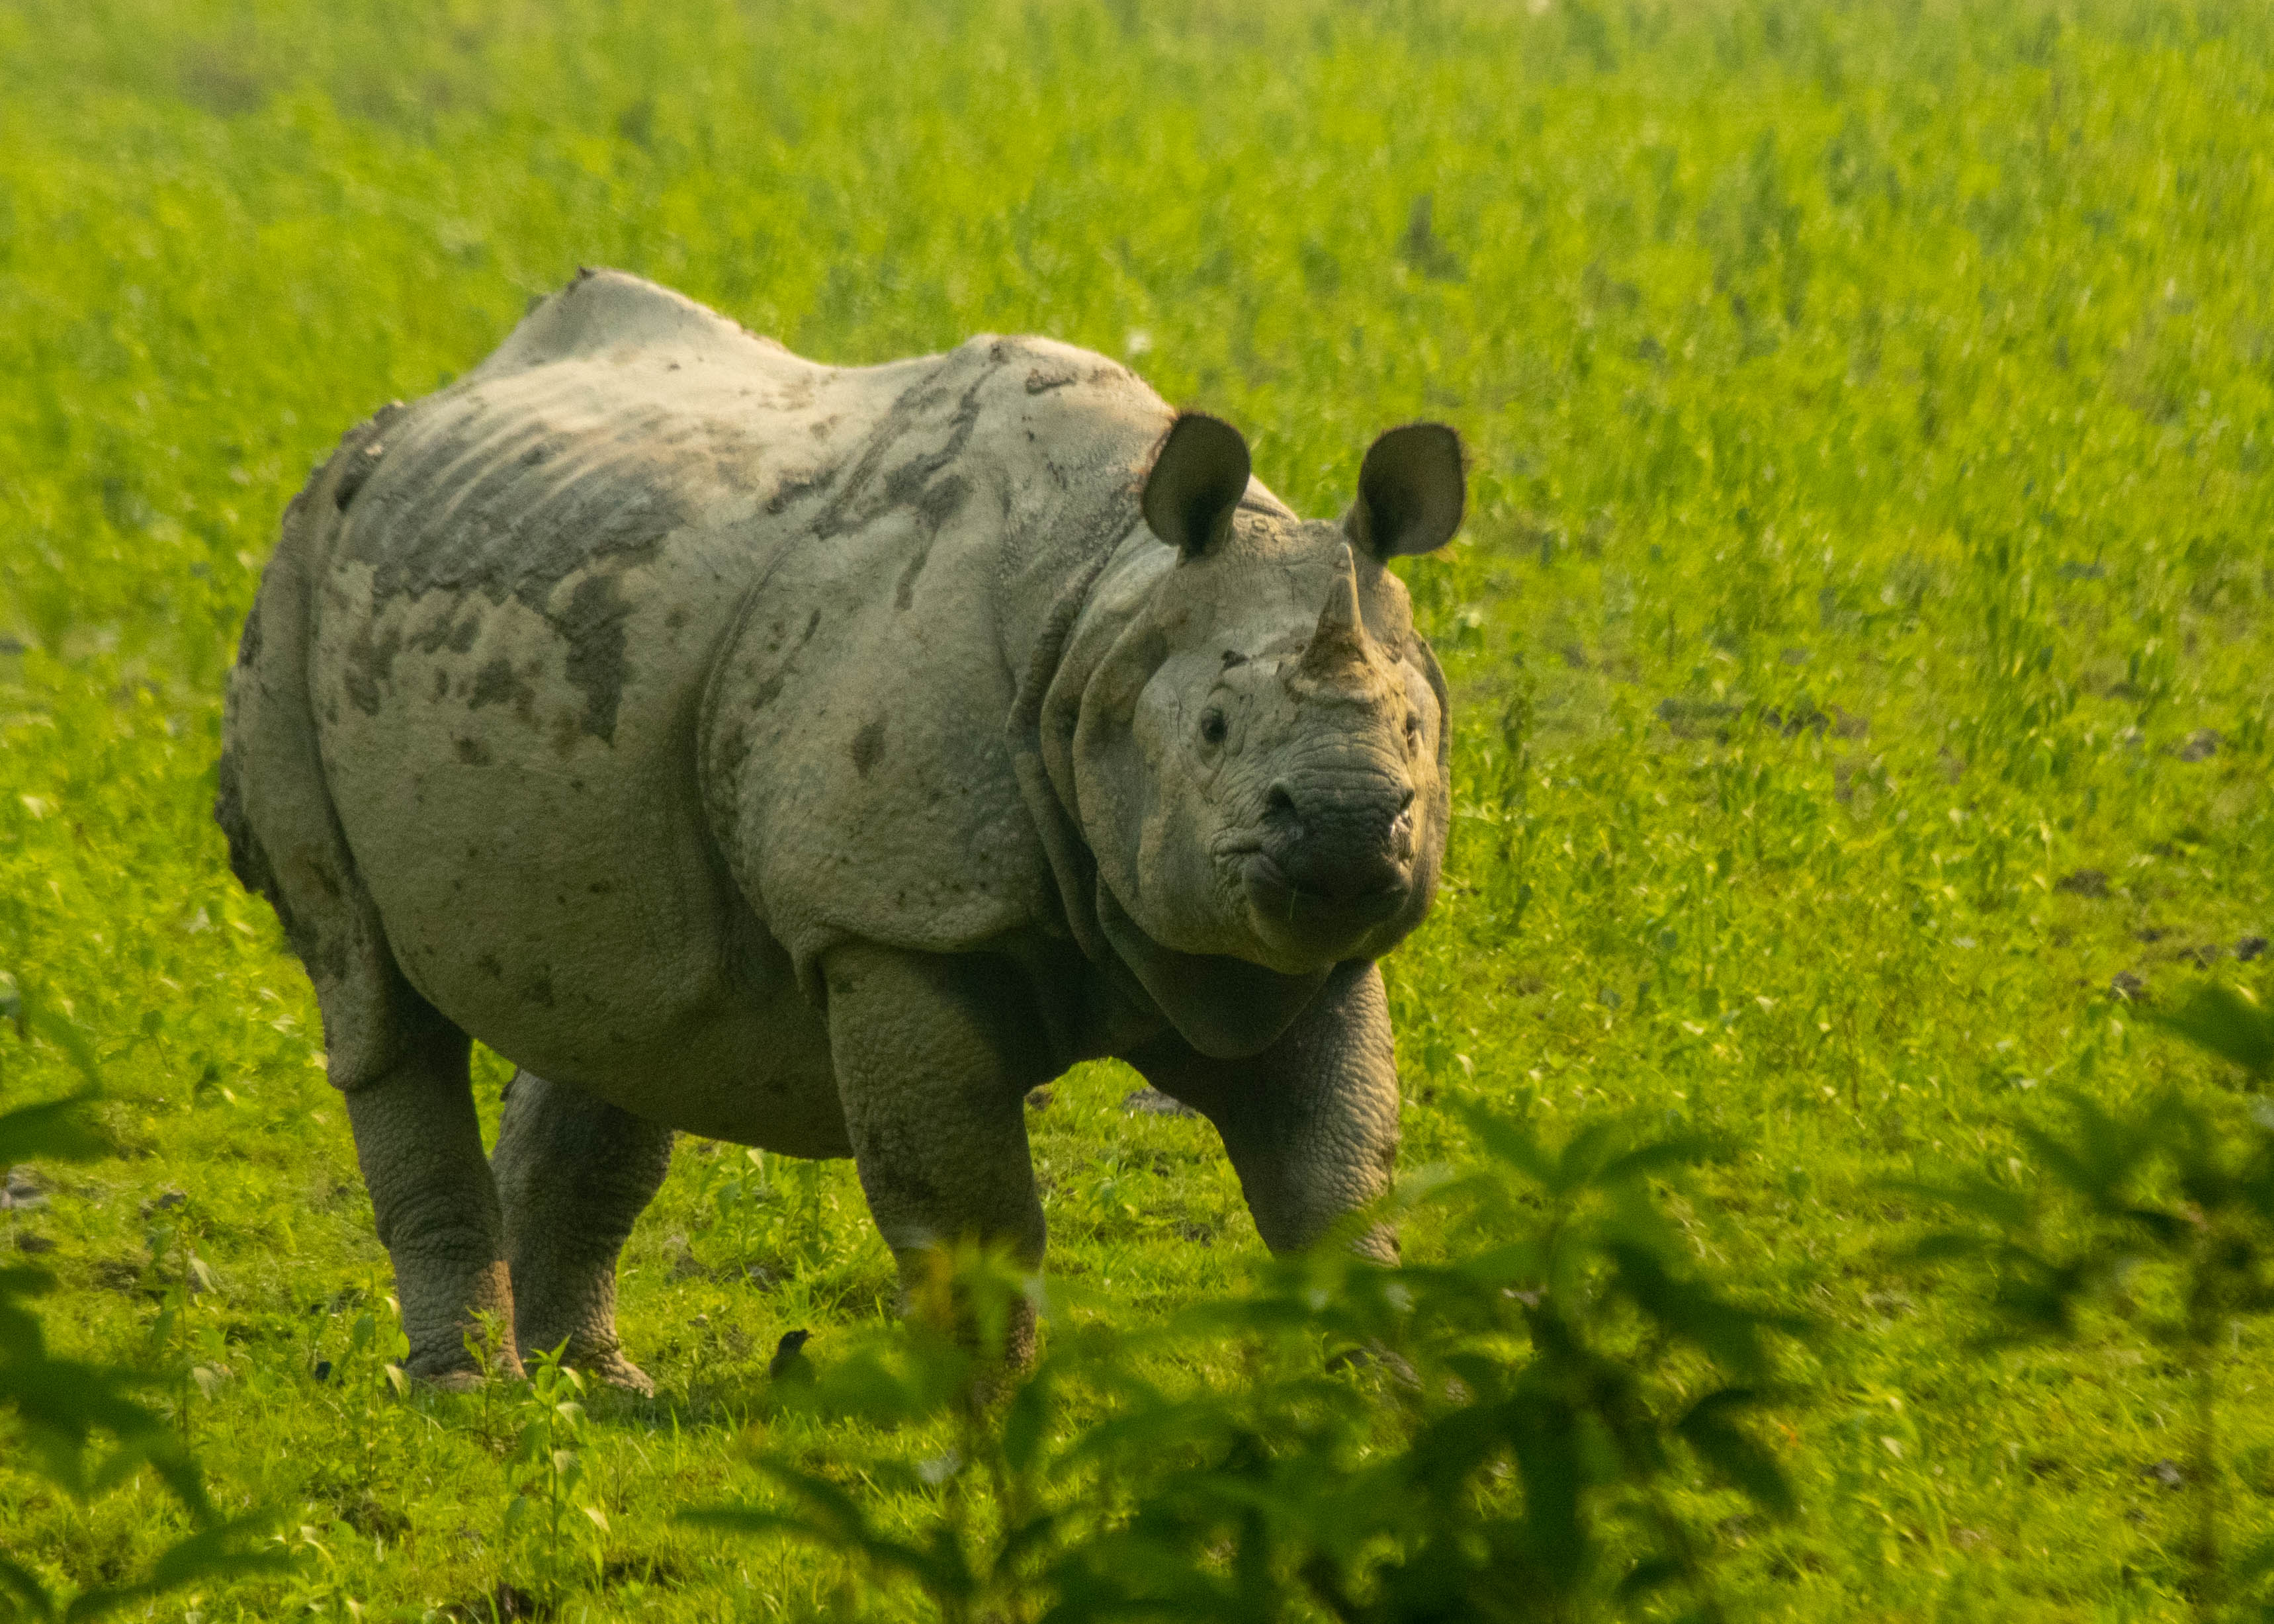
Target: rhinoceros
[{"x": 820, "y": 758}]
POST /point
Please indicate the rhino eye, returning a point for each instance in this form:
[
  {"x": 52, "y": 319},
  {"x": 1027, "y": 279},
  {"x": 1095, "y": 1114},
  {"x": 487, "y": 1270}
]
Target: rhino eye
[{"x": 1213, "y": 726}]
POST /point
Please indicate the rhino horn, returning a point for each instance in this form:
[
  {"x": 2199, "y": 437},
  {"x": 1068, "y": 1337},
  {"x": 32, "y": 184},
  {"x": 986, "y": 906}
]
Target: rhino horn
[{"x": 1339, "y": 651}]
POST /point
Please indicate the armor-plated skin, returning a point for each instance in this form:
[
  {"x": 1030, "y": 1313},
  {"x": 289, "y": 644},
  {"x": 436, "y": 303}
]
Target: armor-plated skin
[{"x": 818, "y": 758}]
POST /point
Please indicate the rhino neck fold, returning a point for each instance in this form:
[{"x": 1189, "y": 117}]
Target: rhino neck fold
[{"x": 1227, "y": 1008}]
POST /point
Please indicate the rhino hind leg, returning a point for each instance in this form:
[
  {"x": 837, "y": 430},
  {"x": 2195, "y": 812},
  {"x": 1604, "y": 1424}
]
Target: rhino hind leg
[
  {"x": 419, "y": 1145},
  {"x": 401, "y": 1065},
  {"x": 573, "y": 1172}
]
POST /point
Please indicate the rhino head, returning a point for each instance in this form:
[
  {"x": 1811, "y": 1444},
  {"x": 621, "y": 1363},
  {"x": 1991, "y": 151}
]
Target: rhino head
[{"x": 1257, "y": 761}]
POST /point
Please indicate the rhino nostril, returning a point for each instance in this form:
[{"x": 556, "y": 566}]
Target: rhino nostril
[
  {"x": 1279, "y": 806},
  {"x": 1401, "y": 835}
]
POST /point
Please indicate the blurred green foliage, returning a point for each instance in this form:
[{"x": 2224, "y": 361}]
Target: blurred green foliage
[
  {"x": 52, "y": 1410},
  {"x": 1490, "y": 1438},
  {"x": 2176, "y": 1202},
  {"x": 1859, "y": 647}
]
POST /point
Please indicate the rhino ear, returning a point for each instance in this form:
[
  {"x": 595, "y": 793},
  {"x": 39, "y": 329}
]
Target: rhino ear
[
  {"x": 1410, "y": 492},
  {"x": 1199, "y": 475}
]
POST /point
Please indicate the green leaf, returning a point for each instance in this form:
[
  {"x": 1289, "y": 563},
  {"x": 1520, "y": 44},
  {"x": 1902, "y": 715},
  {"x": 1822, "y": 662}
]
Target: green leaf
[
  {"x": 1950, "y": 1245},
  {"x": 211, "y": 1553},
  {"x": 1580, "y": 1162},
  {"x": 1545, "y": 1436},
  {"x": 1977, "y": 1196},
  {"x": 1651, "y": 1573},
  {"x": 1506, "y": 1141},
  {"x": 2074, "y": 1166},
  {"x": 31, "y": 1600},
  {"x": 1662, "y": 1155},
  {"x": 1025, "y": 1422},
  {"x": 33, "y": 1016},
  {"x": 58, "y": 1130},
  {"x": 2255, "y": 1563},
  {"x": 1444, "y": 1452},
  {"x": 1710, "y": 1429},
  {"x": 1731, "y": 1336},
  {"x": 837, "y": 1523},
  {"x": 751, "y": 1520},
  {"x": 24, "y": 1279},
  {"x": 2226, "y": 1023}
]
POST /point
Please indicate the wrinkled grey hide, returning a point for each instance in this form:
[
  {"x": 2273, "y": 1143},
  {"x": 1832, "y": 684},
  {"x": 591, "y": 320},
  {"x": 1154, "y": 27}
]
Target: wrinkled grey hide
[{"x": 820, "y": 758}]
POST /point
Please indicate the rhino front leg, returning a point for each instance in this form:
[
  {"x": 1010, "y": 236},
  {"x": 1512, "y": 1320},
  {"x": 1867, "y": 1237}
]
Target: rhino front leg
[
  {"x": 419, "y": 1145},
  {"x": 1311, "y": 1124},
  {"x": 573, "y": 1172},
  {"x": 934, "y": 1056}
]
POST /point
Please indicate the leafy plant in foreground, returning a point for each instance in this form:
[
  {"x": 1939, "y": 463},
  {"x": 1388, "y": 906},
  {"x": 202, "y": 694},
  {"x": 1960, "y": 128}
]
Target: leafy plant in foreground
[
  {"x": 990, "y": 1475},
  {"x": 547, "y": 1513},
  {"x": 1502, "y": 1436},
  {"x": 52, "y": 1409},
  {"x": 2165, "y": 1214},
  {"x": 364, "y": 1378},
  {"x": 186, "y": 1349}
]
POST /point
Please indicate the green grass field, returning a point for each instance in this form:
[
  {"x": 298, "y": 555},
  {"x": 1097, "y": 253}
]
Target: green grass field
[{"x": 1860, "y": 646}]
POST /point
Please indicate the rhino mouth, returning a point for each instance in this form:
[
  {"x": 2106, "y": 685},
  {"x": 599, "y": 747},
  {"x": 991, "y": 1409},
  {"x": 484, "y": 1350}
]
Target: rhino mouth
[{"x": 1312, "y": 919}]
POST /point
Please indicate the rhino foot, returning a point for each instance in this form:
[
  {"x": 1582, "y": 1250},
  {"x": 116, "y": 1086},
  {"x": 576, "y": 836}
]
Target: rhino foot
[
  {"x": 620, "y": 1373},
  {"x": 458, "y": 1381},
  {"x": 420, "y": 1149},
  {"x": 572, "y": 1173}
]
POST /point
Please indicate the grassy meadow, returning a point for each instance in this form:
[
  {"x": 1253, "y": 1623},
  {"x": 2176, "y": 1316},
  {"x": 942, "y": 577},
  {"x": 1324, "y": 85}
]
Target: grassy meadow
[{"x": 1860, "y": 645}]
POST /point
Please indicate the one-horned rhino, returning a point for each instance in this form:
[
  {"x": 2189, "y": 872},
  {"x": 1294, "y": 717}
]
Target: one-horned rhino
[{"x": 820, "y": 758}]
